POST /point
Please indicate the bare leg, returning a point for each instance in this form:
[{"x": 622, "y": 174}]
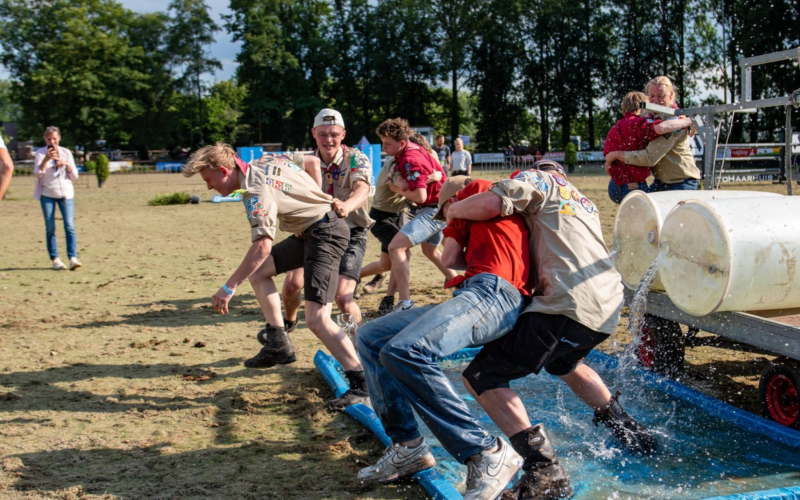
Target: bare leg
[
  {"x": 267, "y": 293},
  {"x": 588, "y": 386},
  {"x": 434, "y": 255},
  {"x": 318, "y": 319},
  {"x": 382, "y": 265},
  {"x": 391, "y": 289},
  {"x": 504, "y": 408},
  {"x": 400, "y": 265},
  {"x": 344, "y": 298},
  {"x": 291, "y": 293}
]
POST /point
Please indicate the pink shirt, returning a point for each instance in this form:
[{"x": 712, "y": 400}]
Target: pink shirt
[{"x": 51, "y": 182}]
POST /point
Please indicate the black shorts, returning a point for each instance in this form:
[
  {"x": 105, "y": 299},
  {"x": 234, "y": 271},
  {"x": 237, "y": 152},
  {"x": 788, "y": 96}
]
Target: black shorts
[
  {"x": 353, "y": 257},
  {"x": 319, "y": 252},
  {"x": 555, "y": 342},
  {"x": 387, "y": 225}
]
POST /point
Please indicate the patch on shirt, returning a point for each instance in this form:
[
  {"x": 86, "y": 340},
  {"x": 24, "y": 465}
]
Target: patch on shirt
[
  {"x": 587, "y": 205},
  {"x": 279, "y": 185},
  {"x": 566, "y": 208},
  {"x": 560, "y": 181},
  {"x": 533, "y": 177},
  {"x": 254, "y": 208},
  {"x": 564, "y": 193},
  {"x": 411, "y": 176},
  {"x": 277, "y": 158}
]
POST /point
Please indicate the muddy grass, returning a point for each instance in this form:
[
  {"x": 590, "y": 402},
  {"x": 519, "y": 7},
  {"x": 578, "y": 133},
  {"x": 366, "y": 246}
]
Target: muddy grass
[{"x": 118, "y": 380}]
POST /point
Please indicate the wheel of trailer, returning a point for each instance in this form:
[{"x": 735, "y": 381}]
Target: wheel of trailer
[
  {"x": 662, "y": 348},
  {"x": 779, "y": 387}
]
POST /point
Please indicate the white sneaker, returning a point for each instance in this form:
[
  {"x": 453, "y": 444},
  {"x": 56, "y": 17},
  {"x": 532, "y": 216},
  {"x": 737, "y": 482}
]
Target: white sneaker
[
  {"x": 489, "y": 473},
  {"x": 398, "y": 461},
  {"x": 74, "y": 263},
  {"x": 403, "y": 305},
  {"x": 58, "y": 265}
]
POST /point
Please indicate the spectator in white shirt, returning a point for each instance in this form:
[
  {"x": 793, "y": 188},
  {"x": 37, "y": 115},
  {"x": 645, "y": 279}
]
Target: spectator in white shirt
[
  {"x": 55, "y": 170},
  {"x": 461, "y": 160},
  {"x": 6, "y": 168}
]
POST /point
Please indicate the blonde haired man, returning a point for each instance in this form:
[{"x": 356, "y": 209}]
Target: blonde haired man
[{"x": 276, "y": 189}]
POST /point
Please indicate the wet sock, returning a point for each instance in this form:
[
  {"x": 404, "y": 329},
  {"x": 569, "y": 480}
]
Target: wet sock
[{"x": 357, "y": 380}]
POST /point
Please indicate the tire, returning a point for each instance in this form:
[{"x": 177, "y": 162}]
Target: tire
[
  {"x": 663, "y": 346},
  {"x": 779, "y": 389}
]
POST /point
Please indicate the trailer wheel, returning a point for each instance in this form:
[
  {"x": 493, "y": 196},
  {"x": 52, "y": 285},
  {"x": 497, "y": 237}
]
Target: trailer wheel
[
  {"x": 779, "y": 386},
  {"x": 663, "y": 347}
]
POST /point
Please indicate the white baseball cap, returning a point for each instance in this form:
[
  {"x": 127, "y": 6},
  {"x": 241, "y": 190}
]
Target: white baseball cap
[{"x": 328, "y": 117}]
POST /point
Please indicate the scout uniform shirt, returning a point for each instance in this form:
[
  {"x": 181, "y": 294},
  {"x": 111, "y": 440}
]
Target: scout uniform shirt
[
  {"x": 574, "y": 273},
  {"x": 339, "y": 177},
  {"x": 670, "y": 156},
  {"x": 276, "y": 189},
  {"x": 385, "y": 199}
]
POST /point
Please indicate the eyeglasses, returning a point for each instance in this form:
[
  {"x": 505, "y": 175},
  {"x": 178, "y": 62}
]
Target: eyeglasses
[{"x": 332, "y": 137}]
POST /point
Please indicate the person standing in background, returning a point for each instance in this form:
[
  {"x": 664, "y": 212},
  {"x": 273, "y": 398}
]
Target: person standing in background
[
  {"x": 55, "y": 170},
  {"x": 6, "y": 168},
  {"x": 442, "y": 152},
  {"x": 462, "y": 160}
]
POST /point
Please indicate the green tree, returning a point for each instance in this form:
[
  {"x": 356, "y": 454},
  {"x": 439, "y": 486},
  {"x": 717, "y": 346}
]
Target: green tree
[
  {"x": 190, "y": 31},
  {"x": 223, "y": 105}
]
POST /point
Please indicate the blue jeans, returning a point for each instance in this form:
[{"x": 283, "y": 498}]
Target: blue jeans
[
  {"x": 67, "y": 208},
  {"x": 400, "y": 354},
  {"x": 618, "y": 193},
  {"x": 423, "y": 229},
  {"x": 686, "y": 185}
]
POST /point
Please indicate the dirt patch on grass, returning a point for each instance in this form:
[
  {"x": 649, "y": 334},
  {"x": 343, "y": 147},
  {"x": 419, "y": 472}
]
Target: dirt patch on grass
[{"x": 119, "y": 381}]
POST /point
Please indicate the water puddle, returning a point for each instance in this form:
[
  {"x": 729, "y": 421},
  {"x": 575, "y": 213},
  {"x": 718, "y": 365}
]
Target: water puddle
[{"x": 701, "y": 455}]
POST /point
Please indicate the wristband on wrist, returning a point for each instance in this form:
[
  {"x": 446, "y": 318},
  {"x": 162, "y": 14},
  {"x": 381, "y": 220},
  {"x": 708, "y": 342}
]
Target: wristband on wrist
[{"x": 228, "y": 290}]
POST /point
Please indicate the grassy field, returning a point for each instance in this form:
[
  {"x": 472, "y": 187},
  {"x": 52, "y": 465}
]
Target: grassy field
[{"x": 118, "y": 380}]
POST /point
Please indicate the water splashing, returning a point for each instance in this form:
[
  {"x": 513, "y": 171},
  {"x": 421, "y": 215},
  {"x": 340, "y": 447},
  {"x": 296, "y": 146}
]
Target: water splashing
[
  {"x": 638, "y": 308},
  {"x": 347, "y": 322}
]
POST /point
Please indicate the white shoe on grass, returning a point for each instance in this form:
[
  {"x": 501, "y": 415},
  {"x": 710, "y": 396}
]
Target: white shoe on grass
[
  {"x": 488, "y": 473},
  {"x": 58, "y": 265},
  {"x": 403, "y": 305},
  {"x": 74, "y": 263},
  {"x": 398, "y": 462}
]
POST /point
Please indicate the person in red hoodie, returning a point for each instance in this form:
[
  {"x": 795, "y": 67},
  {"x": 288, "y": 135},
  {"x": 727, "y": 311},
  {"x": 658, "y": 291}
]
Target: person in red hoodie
[
  {"x": 413, "y": 165},
  {"x": 632, "y": 133}
]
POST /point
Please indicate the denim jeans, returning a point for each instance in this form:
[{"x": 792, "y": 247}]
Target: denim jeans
[
  {"x": 423, "y": 229},
  {"x": 618, "y": 193},
  {"x": 67, "y": 208},
  {"x": 400, "y": 354},
  {"x": 686, "y": 185}
]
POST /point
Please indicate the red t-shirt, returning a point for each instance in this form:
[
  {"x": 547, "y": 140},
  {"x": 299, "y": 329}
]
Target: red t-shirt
[
  {"x": 632, "y": 133},
  {"x": 416, "y": 164},
  {"x": 498, "y": 246}
]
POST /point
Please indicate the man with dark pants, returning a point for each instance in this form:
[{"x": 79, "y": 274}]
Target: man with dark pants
[
  {"x": 576, "y": 306},
  {"x": 400, "y": 353},
  {"x": 275, "y": 188}
]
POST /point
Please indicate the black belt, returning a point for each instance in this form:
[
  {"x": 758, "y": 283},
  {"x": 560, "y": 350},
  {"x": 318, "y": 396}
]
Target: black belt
[{"x": 435, "y": 205}]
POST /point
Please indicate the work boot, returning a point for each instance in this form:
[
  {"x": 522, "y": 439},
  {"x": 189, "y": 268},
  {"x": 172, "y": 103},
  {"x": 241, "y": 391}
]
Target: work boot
[
  {"x": 387, "y": 306},
  {"x": 377, "y": 282},
  {"x": 544, "y": 478},
  {"x": 357, "y": 393},
  {"x": 289, "y": 326},
  {"x": 633, "y": 435},
  {"x": 489, "y": 472},
  {"x": 277, "y": 349}
]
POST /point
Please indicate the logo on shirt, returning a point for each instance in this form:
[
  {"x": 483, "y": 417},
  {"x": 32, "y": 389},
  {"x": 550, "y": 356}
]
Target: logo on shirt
[
  {"x": 279, "y": 185},
  {"x": 576, "y": 195},
  {"x": 564, "y": 193},
  {"x": 560, "y": 181},
  {"x": 566, "y": 208},
  {"x": 411, "y": 176},
  {"x": 254, "y": 208},
  {"x": 534, "y": 178},
  {"x": 587, "y": 205}
]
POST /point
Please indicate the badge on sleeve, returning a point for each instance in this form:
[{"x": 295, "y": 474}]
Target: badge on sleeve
[
  {"x": 560, "y": 181},
  {"x": 587, "y": 205},
  {"x": 564, "y": 193},
  {"x": 566, "y": 208}
]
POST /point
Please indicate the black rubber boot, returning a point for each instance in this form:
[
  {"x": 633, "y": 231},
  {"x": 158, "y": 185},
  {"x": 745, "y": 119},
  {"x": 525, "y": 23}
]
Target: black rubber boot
[
  {"x": 357, "y": 393},
  {"x": 387, "y": 306},
  {"x": 277, "y": 349},
  {"x": 289, "y": 326},
  {"x": 633, "y": 435},
  {"x": 544, "y": 478}
]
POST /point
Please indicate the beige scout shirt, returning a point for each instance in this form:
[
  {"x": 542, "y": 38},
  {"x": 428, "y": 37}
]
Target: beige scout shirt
[
  {"x": 338, "y": 179},
  {"x": 670, "y": 156},
  {"x": 276, "y": 189},
  {"x": 574, "y": 273},
  {"x": 385, "y": 199}
]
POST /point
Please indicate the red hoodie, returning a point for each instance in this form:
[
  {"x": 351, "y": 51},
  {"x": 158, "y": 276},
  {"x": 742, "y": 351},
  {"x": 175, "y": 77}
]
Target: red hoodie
[{"x": 631, "y": 133}]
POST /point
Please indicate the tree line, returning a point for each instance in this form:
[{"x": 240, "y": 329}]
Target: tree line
[{"x": 501, "y": 71}]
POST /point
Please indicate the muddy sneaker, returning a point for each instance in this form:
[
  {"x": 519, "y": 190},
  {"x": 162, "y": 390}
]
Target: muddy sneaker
[
  {"x": 488, "y": 473},
  {"x": 377, "y": 282},
  {"x": 633, "y": 435},
  {"x": 404, "y": 305},
  {"x": 349, "y": 398},
  {"x": 397, "y": 462},
  {"x": 289, "y": 326},
  {"x": 277, "y": 349}
]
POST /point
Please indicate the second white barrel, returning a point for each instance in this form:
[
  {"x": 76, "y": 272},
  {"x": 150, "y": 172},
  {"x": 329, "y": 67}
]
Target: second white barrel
[{"x": 732, "y": 255}]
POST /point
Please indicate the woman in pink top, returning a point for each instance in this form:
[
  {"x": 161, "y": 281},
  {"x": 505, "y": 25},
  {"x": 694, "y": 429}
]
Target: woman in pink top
[{"x": 55, "y": 170}]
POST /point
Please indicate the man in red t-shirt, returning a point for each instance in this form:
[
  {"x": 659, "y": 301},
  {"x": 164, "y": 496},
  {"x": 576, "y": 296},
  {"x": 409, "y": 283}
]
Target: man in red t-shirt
[
  {"x": 632, "y": 133},
  {"x": 400, "y": 353},
  {"x": 413, "y": 165}
]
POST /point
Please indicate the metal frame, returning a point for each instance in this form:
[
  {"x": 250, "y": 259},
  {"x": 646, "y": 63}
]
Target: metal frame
[{"x": 703, "y": 116}]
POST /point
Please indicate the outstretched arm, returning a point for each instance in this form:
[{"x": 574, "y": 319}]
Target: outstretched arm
[
  {"x": 312, "y": 167},
  {"x": 653, "y": 154},
  {"x": 483, "y": 206}
]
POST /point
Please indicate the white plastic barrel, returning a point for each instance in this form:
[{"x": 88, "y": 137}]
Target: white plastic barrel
[
  {"x": 732, "y": 255},
  {"x": 638, "y": 226}
]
